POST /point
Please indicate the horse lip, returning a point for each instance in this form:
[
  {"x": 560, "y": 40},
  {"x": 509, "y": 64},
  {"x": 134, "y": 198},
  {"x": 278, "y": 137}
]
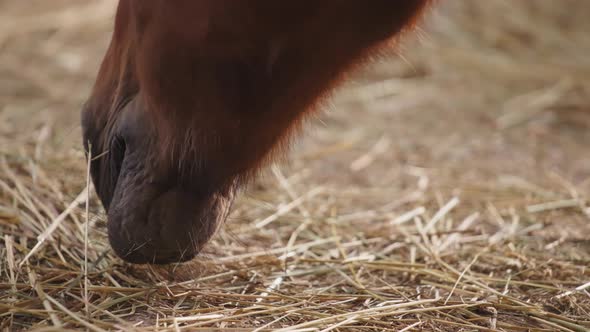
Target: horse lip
[{"x": 169, "y": 226}]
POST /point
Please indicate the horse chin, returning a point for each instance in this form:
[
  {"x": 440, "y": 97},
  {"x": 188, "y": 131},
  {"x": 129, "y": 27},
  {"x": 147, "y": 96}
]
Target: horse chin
[{"x": 167, "y": 227}]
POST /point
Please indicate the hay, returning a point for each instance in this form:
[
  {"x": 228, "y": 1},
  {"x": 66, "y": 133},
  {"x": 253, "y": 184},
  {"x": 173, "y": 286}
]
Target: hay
[{"x": 447, "y": 191}]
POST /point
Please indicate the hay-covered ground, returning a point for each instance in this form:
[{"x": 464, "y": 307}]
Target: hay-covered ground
[{"x": 444, "y": 189}]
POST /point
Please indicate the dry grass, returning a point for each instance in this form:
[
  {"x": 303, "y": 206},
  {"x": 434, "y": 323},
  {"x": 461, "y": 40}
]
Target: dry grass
[{"x": 447, "y": 191}]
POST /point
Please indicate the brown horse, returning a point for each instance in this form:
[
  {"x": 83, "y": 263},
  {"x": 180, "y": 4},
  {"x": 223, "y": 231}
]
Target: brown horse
[{"x": 194, "y": 96}]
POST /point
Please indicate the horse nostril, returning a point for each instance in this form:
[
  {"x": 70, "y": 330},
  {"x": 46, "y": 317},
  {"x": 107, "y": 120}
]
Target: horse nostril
[{"x": 117, "y": 155}]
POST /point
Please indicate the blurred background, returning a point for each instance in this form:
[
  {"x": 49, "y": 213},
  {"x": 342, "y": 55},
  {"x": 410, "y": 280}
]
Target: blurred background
[{"x": 487, "y": 104}]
